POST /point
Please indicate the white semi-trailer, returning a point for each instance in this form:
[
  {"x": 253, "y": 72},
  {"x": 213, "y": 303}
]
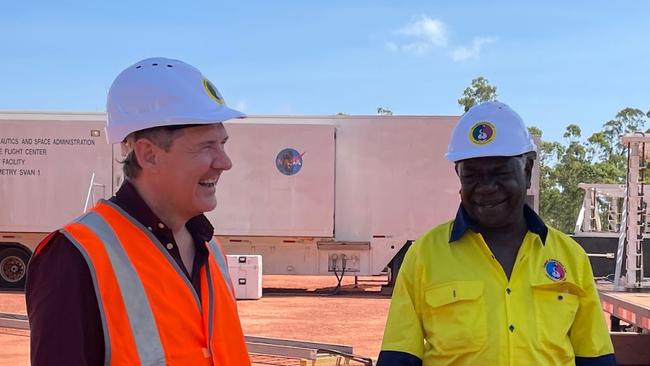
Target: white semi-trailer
[
  {"x": 312, "y": 195},
  {"x": 359, "y": 189},
  {"x": 46, "y": 164}
]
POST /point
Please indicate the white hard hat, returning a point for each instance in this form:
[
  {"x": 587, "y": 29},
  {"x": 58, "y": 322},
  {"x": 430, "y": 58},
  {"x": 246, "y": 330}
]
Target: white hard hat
[
  {"x": 162, "y": 92},
  {"x": 489, "y": 129}
]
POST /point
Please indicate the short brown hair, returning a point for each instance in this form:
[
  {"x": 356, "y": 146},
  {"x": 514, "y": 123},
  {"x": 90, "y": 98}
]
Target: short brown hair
[{"x": 163, "y": 137}]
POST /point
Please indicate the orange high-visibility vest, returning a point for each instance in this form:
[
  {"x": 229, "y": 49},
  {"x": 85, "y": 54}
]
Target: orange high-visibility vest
[{"x": 150, "y": 312}]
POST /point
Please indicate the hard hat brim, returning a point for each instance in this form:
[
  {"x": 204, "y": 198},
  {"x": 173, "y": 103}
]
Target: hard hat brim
[
  {"x": 464, "y": 155},
  {"x": 204, "y": 117}
]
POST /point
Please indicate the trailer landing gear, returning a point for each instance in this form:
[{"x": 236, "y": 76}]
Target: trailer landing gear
[{"x": 393, "y": 268}]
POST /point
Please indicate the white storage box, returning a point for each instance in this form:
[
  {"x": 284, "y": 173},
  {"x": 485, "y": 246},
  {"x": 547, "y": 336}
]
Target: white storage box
[{"x": 246, "y": 275}]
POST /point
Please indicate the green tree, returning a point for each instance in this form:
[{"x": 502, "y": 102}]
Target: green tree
[
  {"x": 479, "y": 91},
  {"x": 626, "y": 121},
  {"x": 572, "y": 168},
  {"x": 535, "y": 131},
  {"x": 384, "y": 111},
  {"x": 601, "y": 158}
]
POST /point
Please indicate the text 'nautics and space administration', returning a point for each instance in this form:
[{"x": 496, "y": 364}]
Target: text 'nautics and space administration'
[{"x": 17, "y": 154}]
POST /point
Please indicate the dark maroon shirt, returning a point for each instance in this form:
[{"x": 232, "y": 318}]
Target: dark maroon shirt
[{"x": 62, "y": 306}]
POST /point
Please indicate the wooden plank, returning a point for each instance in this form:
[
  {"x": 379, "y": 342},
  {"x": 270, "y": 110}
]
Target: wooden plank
[
  {"x": 327, "y": 360},
  {"x": 632, "y": 307}
]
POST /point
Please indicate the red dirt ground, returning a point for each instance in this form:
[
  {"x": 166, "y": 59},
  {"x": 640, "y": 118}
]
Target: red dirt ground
[{"x": 293, "y": 307}]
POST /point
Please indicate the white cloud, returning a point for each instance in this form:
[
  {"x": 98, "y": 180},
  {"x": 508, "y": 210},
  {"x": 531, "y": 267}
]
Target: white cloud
[
  {"x": 471, "y": 52},
  {"x": 420, "y": 36},
  {"x": 425, "y": 34},
  {"x": 426, "y": 31}
]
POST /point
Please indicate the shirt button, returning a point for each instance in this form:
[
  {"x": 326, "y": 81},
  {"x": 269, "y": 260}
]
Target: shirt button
[
  {"x": 508, "y": 291},
  {"x": 161, "y": 225},
  {"x": 170, "y": 246},
  {"x": 560, "y": 297},
  {"x": 511, "y": 328}
]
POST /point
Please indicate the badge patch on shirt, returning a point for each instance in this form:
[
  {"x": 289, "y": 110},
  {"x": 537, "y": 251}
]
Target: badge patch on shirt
[
  {"x": 482, "y": 133},
  {"x": 555, "y": 270}
]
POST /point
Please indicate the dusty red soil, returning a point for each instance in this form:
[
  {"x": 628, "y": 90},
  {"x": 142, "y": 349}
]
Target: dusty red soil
[
  {"x": 14, "y": 344},
  {"x": 352, "y": 319},
  {"x": 293, "y": 307}
]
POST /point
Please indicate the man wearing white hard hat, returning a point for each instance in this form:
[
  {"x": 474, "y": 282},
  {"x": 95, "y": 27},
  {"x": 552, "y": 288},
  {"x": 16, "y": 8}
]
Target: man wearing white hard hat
[
  {"x": 495, "y": 286},
  {"x": 140, "y": 280}
]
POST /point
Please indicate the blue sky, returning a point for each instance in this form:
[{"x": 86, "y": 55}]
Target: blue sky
[{"x": 555, "y": 62}]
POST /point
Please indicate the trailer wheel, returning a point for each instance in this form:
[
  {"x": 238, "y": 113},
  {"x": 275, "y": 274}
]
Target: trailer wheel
[{"x": 13, "y": 268}]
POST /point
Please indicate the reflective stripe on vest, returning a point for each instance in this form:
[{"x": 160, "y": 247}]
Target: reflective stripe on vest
[
  {"x": 220, "y": 258},
  {"x": 158, "y": 245},
  {"x": 141, "y": 319},
  {"x": 151, "y": 313}
]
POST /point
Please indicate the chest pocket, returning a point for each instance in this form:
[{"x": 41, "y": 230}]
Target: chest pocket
[
  {"x": 556, "y": 305},
  {"x": 455, "y": 318}
]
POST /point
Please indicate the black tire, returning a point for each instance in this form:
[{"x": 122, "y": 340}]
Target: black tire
[{"x": 13, "y": 268}]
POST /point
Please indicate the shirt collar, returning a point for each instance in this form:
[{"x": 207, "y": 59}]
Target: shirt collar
[
  {"x": 128, "y": 198},
  {"x": 464, "y": 222}
]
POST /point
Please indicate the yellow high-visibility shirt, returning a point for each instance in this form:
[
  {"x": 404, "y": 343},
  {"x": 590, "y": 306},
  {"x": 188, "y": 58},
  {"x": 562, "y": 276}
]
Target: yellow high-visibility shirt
[{"x": 454, "y": 305}]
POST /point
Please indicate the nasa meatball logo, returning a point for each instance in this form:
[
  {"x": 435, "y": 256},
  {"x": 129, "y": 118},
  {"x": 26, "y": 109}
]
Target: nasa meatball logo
[
  {"x": 555, "y": 270},
  {"x": 482, "y": 133},
  {"x": 289, "y": 161}
]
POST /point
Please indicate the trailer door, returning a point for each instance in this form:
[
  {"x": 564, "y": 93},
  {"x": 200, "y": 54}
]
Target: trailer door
[{"x": 281, "y": 183}]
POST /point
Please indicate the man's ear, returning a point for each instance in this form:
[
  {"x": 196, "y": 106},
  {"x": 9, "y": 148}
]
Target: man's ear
[
  {"x": 457, "y": 169},
  {"x": 147, "y": 154},
  {"x": 530, "y": 162}
]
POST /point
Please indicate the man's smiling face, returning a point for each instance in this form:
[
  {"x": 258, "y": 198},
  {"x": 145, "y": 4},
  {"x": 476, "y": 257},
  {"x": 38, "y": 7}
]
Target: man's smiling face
[{"x": 493, "y": 189}]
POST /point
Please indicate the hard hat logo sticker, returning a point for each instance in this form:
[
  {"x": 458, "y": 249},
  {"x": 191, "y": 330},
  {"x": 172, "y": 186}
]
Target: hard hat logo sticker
[
  {"x": 482, "y": 133},
  {"x": 289, "y": 161},
  {"x": 212, "y": 92}
]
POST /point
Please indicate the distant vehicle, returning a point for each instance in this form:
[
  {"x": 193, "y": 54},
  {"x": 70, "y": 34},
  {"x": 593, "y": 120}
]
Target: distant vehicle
[{"x": 313, "y": 195}]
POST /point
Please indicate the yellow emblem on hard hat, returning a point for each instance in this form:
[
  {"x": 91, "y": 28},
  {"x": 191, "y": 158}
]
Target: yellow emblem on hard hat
[
  {"x": 212, "y": 91},
  {"x": 482, "y": 133}
]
